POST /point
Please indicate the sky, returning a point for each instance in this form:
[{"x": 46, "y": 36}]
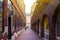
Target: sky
[{"x": 28, "y": 4}]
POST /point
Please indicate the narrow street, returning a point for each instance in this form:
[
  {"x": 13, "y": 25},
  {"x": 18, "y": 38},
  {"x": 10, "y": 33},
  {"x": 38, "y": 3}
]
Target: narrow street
[{"x": 29, "y": 19}]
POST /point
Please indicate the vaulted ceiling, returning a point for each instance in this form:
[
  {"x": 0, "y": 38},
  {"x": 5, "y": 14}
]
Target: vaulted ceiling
[{"x": 41, "y": 4}]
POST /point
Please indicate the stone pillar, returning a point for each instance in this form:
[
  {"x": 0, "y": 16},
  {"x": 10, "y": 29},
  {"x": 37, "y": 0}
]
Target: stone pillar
[
  {"x": 52, "y": 31},
  {"x": 42, "y": 29},
  {"x": 5, "y": 18},
  {"x": 5, "y": 11},
  {"x": 37, "y": 26}
]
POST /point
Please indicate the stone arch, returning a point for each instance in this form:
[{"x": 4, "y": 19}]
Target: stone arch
[
  {"x": 44, "y": 26},
  {"x": 56, "y": 16}
]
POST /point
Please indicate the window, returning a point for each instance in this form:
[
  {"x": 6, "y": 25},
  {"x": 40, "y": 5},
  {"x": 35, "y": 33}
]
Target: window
[{"x": 1, "y": 10}]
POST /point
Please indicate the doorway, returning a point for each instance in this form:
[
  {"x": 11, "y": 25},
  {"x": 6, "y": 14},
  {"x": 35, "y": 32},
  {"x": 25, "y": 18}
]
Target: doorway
[{"x": 46, "y": 28}]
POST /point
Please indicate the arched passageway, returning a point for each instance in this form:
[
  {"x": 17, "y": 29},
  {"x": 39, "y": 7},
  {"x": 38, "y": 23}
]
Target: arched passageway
[
  {"x": 45, "y": 27},
  {"x": 56, "y": 22}
]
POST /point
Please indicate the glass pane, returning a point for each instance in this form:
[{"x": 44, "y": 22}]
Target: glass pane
[
  {"x": 9, "y": 8},
  {"x": 1, "y": 8},
  {"x": 10, "y": 13}
]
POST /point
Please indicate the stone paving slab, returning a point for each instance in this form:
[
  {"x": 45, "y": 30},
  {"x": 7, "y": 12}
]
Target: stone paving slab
[{"x": 28, "y": 34}]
